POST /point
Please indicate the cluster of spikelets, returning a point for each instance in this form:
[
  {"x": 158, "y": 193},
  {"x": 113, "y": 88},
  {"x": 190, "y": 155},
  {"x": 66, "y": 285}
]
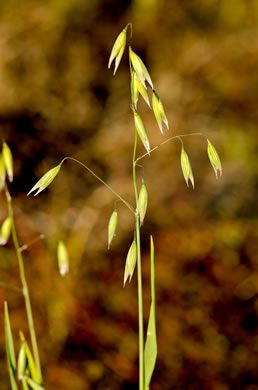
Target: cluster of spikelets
[
  {"x": 140, "y": 81},
  {"x": 24, "y": 369},
  {"x": 6, "y": 172},
  {"x": 139, "y": 77}
]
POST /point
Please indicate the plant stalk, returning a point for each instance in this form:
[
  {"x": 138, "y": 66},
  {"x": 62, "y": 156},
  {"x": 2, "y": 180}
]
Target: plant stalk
[
  {"x": 139, "y": 267},
  {"x": 139, "y": 274},
  {"x": 25, "y": 289}
]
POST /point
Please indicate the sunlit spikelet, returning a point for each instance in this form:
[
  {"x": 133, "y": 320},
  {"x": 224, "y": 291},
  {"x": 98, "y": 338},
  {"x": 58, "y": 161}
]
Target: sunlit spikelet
[
  {"x": 112, "y": 225},
  {"x": 186, "y": 167},
  {"x": 130, "y": 262},
  {"x": 214, "y": 159},
  {"x": 45, "y": 180}
]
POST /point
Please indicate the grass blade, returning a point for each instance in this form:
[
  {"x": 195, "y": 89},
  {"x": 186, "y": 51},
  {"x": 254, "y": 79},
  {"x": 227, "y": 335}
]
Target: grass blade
[
  {"x": 11, "y": 362},
  {"x": 31, "y": 363},
  {"x": 34, "y": 385},
  {"x": 150, "y": 352}
]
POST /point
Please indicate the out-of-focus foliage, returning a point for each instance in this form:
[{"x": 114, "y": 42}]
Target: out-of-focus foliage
[{"x": 58, "y": 98}]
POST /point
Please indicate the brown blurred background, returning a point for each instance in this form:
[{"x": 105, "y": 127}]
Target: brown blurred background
[{"x": 57, "y": 98}]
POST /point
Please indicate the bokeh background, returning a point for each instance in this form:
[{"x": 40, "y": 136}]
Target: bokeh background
[{"x": 57, "y": 98}]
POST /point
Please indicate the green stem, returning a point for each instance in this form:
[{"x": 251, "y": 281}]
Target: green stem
[
  {"x": 102, "y": 181},
  {"x": 139, "y": 273},
  {"x": 139, "y": 267},
  {"x": 140, "y": 306},
  {"x": 25, "y": 289}
]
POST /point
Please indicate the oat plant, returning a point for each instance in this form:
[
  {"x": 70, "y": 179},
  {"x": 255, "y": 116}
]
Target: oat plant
[
  {"x": 141, "y": 85},
  {"x": 25, "y": 372}
]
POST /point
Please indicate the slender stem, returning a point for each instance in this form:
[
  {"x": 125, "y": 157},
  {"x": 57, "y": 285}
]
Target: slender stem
[
  {"x": 10, "y": 287},
  {"x": 26, "y": 246},
  {"x": 102, "y": 181},
  {"x": 140, "y": 306},
  {"x": 139, "y": 267},
  {"x": 168, "y": 140},
  {"x": 25, "y": 289}
]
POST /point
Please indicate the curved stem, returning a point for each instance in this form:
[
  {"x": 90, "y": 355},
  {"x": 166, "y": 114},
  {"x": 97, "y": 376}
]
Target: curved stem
[
  {"x": 25, "y": 289},
  {"x": 10, "y": 287},
  {"x": 168, "y": 140},
  {"x": 131, "y": 29},
  {"x": 102, "y": 181}
]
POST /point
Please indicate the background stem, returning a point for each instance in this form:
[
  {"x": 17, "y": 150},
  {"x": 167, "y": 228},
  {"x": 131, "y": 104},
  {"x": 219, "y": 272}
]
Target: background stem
[{"x": 25, "y": 289}]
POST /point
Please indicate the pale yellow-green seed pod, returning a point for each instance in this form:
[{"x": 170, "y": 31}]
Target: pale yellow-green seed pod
[
  {"x": 142, "y": 91},
  {"x": 134, "y": 89},
  {"x": 62, "y": 258},
  {"x": 140, "y": 68},
  {"x": 118, "y": 49},
  {"x": 9, "y": 347},
  {"x": 5, "y": 230},
  {"x": 22, "y": 359},
  {"x": 159, "y": 111},
  {"x": 31, "y": 363},
  {"x": 130, "y": 262},
  {"x": 142, "y": 202},
  {"x": 141, "y": 131},
  {"x": 2, "y": 173},
  {"x": 8, "y": 161},
  {"x": 186, "y": 167},
  {"x": 214, "y": 159},
  {"x": 112, "y": 225},
  {"x": 45, "y": 180}
]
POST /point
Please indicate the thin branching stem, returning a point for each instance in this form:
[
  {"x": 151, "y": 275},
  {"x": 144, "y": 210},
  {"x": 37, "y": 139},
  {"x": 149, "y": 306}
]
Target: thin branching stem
[
  {"x": 26, "y": 246},
  {"x": 11, "y": 287},
  {"x": 168, "y": 140},
  {"x": 25, "y": 289},
  {"x": 102, "y": 181}
]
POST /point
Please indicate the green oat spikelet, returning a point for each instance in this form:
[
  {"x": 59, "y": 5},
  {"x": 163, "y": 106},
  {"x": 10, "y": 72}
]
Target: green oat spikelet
[
  {"x": 45, "y": 180},
  {"x": 2, "y": 173},
  {"x": 159, "y": 111},
  {"x": 22, "y": 359},
  {"x": 130, "y": 262},
  {"x": 62, "y": 258},
  {"x": 141, "y": 90},
  {"x": 11, "y": 360},
  {"x": 214, "y": 159},
  {"x": 5, "y": 230},
  {"x": 31, "y": 364},
  {"x": 8, "y": 161},
  {"x": 118, "y": 49},
  {"x": 112, "y": 225},
  {"x": 134, "y": 89},
  {"x": 140, "y": 68},
  {"x": 141, "y": 130},
  {"x": 142, "y": 202},
  {"x": 186, "y": 167}
]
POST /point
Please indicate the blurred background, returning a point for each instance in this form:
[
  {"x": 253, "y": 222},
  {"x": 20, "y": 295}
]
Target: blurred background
[{"x": 57, "y": 98}]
